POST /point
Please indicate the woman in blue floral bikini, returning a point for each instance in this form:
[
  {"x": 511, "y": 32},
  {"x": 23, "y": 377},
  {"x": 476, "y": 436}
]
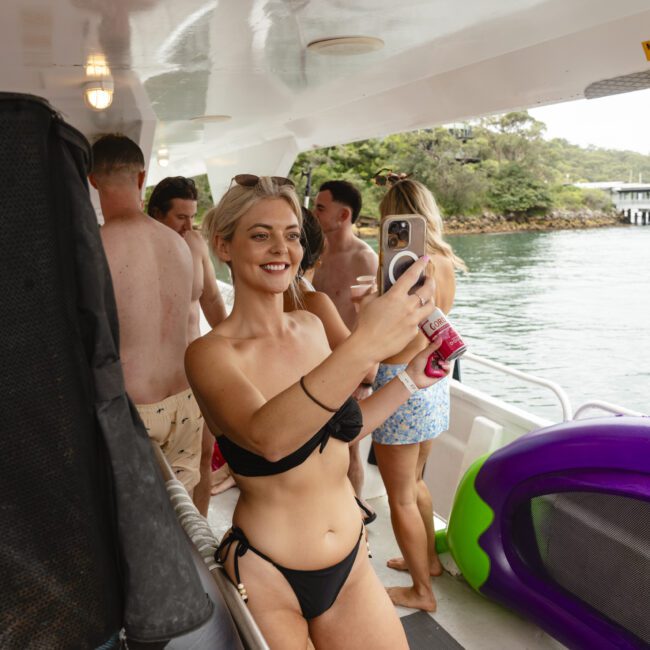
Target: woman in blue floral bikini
[{"x": 402, "y": 444}]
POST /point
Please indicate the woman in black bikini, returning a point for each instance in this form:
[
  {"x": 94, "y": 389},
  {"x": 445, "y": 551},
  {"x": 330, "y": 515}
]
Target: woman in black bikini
[{"x": 268, "y": 381}]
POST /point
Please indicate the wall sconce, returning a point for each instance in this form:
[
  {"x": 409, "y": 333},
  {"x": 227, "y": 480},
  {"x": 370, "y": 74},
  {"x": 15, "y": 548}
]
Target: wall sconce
[
  {"x": 163, "y": 156},
  {"x": 99, "y": 87}
]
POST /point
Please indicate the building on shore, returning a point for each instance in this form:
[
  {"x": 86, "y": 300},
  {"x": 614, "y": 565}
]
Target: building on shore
[{"x": 630, "y": 199}]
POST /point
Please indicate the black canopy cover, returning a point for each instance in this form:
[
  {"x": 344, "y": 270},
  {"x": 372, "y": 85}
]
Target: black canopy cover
[{"x": 89, "y": 542}]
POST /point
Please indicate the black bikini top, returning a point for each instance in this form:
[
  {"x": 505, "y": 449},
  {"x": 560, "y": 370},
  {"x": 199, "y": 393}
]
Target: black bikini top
[{"x": 344, "y": 425}]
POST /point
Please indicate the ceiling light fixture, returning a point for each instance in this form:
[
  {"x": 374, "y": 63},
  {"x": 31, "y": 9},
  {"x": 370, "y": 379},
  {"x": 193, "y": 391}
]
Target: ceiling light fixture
[
  {"x": 98, "y": 94},
  {"x": 98, "y": 88},
  {"x": 346, "y": 45},
  {"x": 96, "y": 66}
]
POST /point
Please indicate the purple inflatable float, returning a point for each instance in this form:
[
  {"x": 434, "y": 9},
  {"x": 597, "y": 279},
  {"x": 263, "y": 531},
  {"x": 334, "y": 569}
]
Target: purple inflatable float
[{"x": 557, "y": 527}]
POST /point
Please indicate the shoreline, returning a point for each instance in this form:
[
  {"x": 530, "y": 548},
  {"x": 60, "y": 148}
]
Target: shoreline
[{"x": 489, "y": 223}]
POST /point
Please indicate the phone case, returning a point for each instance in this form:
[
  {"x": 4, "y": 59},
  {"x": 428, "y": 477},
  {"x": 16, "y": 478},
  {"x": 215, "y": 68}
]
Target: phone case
[{"x": 393, "y": 261}]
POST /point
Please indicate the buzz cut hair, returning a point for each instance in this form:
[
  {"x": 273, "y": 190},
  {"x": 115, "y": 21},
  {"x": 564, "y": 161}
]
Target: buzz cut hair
[{"x": 115, "y": 153}]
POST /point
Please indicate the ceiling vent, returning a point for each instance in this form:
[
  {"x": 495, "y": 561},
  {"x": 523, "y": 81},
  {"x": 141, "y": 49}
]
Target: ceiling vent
[{"x": 625, "y": 84}]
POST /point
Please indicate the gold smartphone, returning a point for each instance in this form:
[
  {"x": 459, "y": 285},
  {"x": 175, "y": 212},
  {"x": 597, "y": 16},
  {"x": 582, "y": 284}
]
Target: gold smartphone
[{"x": 402, "y": 241}]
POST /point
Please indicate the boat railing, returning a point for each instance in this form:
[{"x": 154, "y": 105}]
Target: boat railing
[
  {"x": 608, "y": 407},
  {"x": 202, "y": 536},
  {"x": 556, "y": 389}
]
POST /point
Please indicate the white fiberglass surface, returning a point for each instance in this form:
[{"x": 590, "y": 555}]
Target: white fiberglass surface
[{"x": 174, "y": 60}]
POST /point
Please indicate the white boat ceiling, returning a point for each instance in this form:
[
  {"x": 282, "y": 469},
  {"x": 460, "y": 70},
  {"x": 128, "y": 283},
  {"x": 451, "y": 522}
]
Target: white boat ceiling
[{"x": 173, "y": 61}]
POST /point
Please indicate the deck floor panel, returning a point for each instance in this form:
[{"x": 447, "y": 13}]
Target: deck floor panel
[{"x": 471, "y": 620}]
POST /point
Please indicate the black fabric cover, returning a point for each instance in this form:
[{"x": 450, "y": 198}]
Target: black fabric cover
[
  {"x": 88, "y": 539},
  {"x": 608, "y": 537}
]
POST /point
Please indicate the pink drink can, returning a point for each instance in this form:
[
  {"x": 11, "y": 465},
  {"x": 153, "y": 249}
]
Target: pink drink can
[{"x": 436, "y": 324}]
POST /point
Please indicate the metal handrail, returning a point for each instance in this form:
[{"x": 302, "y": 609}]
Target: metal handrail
[
  {"x": 559, "y": 392},
  {"x": 606, "y": 406}
]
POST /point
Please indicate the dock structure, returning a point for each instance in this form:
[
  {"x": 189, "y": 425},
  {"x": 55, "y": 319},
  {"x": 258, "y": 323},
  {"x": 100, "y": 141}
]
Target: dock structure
[
  {"x": 630, "y": 199},
  {"x": 633, "y": 200},
  {"x": 639, "y": 217}
]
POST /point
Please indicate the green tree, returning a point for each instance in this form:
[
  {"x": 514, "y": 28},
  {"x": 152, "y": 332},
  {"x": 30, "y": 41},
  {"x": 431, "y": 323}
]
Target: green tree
[
  {"x": 437, "y": 158},
  {"x": 500, "y": 163},
  {"x": 356, "y": 162},
  {"x": 514, "y": 190}
]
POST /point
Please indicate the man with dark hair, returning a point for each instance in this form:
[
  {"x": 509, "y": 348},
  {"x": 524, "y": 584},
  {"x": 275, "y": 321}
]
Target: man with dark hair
[
  {"x": 151, "y": 269},
  {"x": 173, "y": 203},
  {"x": 346, "y": 257},
  {"x": 345, "y": 194}
]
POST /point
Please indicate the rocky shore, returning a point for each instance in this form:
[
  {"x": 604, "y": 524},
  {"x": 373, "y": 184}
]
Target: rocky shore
[{"x": 556, "y": 220}]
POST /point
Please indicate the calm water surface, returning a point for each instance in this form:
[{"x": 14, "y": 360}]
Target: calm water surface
[{"x": 569, "y": 306}]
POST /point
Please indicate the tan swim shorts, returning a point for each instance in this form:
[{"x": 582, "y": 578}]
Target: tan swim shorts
[{"x": 176, "y": 424}]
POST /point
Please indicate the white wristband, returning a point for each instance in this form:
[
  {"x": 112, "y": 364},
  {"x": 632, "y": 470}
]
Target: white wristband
[{"x": 407, "y": 381}]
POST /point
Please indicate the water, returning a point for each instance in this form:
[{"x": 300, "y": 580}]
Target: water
[{"x": 569, "y": 306}]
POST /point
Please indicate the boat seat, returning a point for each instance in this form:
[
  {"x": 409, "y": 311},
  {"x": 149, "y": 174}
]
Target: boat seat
[
  {"x": 451, "y": 456},
  {"x": 485, "y": 437}
]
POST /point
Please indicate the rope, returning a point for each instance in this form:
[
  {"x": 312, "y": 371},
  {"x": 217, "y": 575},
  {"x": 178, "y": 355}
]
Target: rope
[{"x": 194, "y": 524}]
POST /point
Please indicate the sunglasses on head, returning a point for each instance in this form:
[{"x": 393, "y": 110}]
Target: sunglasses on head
[
  {"x": 390, "y": 178},
  {"x": 251, "y": 180}
]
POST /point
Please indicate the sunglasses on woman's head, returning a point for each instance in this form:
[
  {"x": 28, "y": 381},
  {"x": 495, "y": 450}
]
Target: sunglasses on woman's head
[
  {"x": 251, "y": 180},
  {"x": 390, "y": 178}
]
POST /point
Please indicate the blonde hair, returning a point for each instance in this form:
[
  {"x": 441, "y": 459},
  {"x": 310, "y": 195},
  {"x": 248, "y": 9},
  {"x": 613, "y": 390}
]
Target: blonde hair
[
  {"x": 412, "y": 197},
  {"x": 223, "y": 218}
]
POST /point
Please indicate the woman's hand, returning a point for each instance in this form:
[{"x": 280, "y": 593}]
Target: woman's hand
[
  {"x": 416, "y": 369},
  {"x": 389, "y": 322}
]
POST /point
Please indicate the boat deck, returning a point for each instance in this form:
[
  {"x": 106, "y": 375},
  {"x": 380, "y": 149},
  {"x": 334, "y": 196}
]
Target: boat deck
[{"x": 472, "y": 620}]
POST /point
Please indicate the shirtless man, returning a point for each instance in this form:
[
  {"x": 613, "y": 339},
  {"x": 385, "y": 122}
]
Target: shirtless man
[
  {"x": 173, "y": 203},
  {"x": 151, "y": 268},
  {"x": 345, "y": 258}
]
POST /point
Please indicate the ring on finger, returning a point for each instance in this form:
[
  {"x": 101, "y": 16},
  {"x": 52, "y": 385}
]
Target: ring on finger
[{"x": 421, "y": 299}]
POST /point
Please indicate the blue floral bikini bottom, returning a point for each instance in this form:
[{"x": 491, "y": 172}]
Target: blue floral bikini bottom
[{"x": 423, "y": 417}]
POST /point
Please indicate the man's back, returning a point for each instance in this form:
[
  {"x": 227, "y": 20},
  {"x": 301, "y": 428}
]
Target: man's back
[{"x": 151, "y": 268}]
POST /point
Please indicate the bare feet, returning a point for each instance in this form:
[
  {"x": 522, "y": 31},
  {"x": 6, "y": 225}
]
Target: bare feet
[
  {"x": 398, "y": 563},
  {"x": 408, "y": 597}
]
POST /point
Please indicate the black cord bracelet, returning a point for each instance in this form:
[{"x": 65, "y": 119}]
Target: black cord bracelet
[{"x": 313, "y": 399}]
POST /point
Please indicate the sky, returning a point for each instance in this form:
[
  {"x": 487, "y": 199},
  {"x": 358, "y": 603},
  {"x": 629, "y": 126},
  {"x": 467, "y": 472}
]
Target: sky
[{"x": 614, "y": 122}]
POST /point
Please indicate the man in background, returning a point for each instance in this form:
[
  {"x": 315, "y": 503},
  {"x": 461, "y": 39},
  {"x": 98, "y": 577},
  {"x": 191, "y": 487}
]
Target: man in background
[
  {"x": 173, "y": 203},
  {"x": 151, "y": 268},
  {"x": 346, "y": 257}
]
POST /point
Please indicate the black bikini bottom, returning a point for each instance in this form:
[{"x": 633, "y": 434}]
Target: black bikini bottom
[{"x": 315, "y": 590}]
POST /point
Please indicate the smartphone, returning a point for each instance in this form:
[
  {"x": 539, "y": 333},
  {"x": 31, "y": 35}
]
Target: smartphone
[{"x": 402, "y": 241}]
